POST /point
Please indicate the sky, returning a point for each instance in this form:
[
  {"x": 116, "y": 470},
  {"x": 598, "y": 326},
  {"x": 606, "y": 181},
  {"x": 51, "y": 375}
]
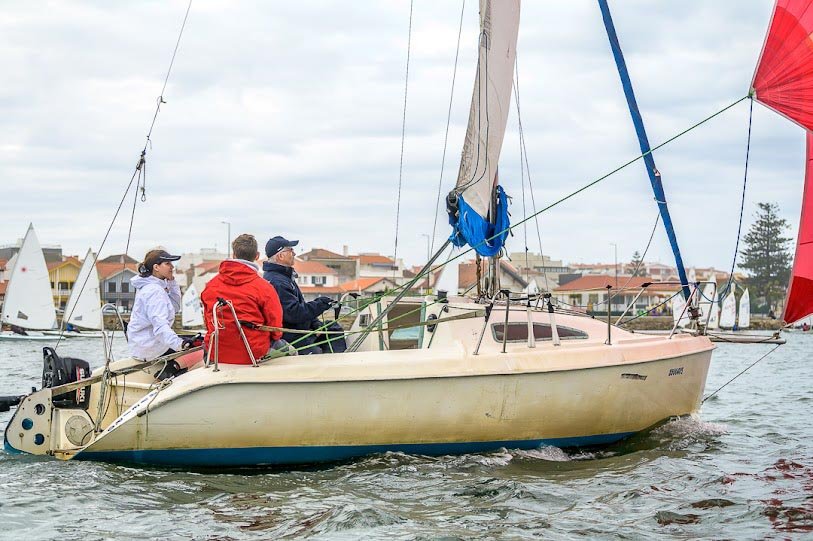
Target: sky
[{"x": 286, "y": 119}]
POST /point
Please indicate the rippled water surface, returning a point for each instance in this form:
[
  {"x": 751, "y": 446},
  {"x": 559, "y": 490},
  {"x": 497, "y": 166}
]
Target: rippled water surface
[{"x": 742, "y": 470}]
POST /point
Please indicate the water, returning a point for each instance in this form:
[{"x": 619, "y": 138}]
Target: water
[{"x": 742, "y": 470}]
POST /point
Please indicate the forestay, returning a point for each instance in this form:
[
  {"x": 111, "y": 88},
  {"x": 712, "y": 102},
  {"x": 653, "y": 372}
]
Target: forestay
[
  {"x": 478, "y": 207},
  {"x": 29, "y": 302}
]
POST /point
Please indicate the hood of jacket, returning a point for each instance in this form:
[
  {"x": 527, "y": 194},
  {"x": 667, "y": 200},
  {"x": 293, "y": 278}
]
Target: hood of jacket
[
  {"x": 139, "y": 282},
  {"x": 237, "y": 272}
]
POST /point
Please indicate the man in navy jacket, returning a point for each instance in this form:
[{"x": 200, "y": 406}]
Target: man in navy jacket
[{"x": 296, "y": 313}]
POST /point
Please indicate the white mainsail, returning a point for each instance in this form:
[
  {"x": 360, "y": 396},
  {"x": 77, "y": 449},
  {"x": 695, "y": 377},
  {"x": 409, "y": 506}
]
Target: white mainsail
[
  {"x": 29, "y": 302},
  {"x": 744, "y": 320},
  {"x": 84, "y": 306},
  {"x": 490, "y": 103},
  {"x": 728, "y": 314},
  {"x": 708, "y": 306},
  {"x": 191, "y": 308}
]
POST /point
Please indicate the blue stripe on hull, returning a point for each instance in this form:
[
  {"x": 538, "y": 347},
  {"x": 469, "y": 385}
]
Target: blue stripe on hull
[{"x": 258, "y": 456}]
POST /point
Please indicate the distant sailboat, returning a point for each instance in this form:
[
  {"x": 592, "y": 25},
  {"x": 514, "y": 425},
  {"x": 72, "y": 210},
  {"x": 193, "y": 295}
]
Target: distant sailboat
[
  {"x": 728, "y": 314},
  {"x": 191, "y": 308},
  {"x": 744, "y": 320},
  {"x": 84, "y": 307},
  {"x": 29, "y": 303},
  {"x": 709, "y": 308},
  {"x": 680, "y": 316}
]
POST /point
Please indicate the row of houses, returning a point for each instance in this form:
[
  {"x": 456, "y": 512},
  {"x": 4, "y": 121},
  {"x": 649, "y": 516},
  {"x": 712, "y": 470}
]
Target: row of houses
[{"x": 321, "y": 272}]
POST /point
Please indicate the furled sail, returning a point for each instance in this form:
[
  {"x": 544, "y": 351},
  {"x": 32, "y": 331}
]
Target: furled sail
[
  {"x": 29, "y": 302},
  {"x": 799, "y": 300},
  {"x": 84, "y": 306},
  {"x": 191, "y": 308},
  {"x": 478, "y": 207},
  {"x": 728, "y": 314},
  {"x": 744, "y": 319},
  {"x": 783, "y": 79}
]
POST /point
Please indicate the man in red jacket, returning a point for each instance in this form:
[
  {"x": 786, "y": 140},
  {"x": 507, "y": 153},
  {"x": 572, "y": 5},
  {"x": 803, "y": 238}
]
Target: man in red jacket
[{"x": 254, "y": 301}]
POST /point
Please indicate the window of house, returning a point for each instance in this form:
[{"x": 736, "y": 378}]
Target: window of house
[
  {"x": 518, "y": 332},
  {"x": 318, "y": 280},
  {"x": 111, "y": 287},
  {"x": 592, "y": 298},
  {"x": 64, "y": 286}
]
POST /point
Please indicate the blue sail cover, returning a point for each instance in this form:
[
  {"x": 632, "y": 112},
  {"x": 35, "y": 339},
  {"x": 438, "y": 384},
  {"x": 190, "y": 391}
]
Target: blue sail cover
[{"x": 468, "y": 227}]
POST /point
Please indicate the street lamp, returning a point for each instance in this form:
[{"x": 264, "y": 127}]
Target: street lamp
[
  {"x": 428, "y": 250},
  {"x": 228, "y": 236},
  {"x": 615, "y": 251}
]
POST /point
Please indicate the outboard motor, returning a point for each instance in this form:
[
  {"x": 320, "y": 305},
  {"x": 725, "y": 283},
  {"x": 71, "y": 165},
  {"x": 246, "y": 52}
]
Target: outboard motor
[{"x": 58, "y": 370}]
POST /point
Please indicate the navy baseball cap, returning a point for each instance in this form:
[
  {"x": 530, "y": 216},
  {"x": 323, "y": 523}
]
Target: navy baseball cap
[{"x": 276, "y": 244}]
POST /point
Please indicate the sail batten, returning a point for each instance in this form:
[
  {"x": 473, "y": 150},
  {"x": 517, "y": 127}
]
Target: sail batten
[{"x": 478, "y": 206}]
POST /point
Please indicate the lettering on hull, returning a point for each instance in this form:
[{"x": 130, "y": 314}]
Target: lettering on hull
[{"x": 676, "y": 371}]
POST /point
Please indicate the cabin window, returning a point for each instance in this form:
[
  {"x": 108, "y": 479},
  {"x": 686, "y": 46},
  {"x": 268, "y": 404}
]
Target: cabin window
[{"x": 518, "y": 332}]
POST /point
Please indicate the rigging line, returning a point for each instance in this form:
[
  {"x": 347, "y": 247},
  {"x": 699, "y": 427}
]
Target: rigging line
[
  {"x": 742, "y": 202},
  {"x": 169, "y": 70},
  {"x": 430, "y": 268},
  {"x": 141, "y": 163},
  {"x": 448, "y": 121},
  {"x": 524, "y": 152},
  {"x": 638, "y": 266},
  {"x": 678, "y": 292},
  {"x": 741, "y": 373},
  {"x": 403, "y": 137}
]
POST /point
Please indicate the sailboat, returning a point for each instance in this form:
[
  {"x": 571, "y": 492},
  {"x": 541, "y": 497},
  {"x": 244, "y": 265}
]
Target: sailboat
[
  {"x": 728, "y": 312},
  {"x": 83, "y": 311},
  {"x": 744, "y": 315},
  {"x": 799, "y": 300},
  {"x": 191, "y": 308},
  {"x": 709, "y": 309},
  {"x": 29, "y": 303},
  {"x": 483, "y": 373}
]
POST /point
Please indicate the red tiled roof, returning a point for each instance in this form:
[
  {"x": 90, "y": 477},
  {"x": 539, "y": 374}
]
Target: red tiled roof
[
  {"x": 371, "y": 259},
  {"x": 322, "y": 290},
  {"x": 321, "y": 253},
  {"x": 71, "y": 260},
  {"x": 311, "y": 267},
  {"x": 3, "y": 286},
  {"x": 116, "y": 258},
  {"x": 3, "y": 263},
  {"x": 362, "y": 284},
  {"x": 106, "y": 270},
  {"x": 205, "y": 267},
  {"x": 596, "y": 282}
]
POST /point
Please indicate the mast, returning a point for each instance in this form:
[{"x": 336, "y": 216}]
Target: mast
[
  {"x": 643, "y": 141},
  {"x": 478, "y": 206}
]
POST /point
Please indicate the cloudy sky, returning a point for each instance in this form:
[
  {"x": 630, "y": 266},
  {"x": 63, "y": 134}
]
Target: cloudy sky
[{"x": 285, "y": 118}]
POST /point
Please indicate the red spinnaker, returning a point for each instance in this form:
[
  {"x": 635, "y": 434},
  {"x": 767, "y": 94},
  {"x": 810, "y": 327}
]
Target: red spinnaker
[
  {"x": 799, "y": 302},
  {"x": 783, "y": 79}
]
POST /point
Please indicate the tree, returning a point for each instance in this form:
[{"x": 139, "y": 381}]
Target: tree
[
  {"x": 636, "y": 264},
  {"x": 766, "y": 255}
]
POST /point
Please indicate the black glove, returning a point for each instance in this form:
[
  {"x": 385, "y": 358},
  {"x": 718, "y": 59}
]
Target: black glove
[
  {"x": 192, "y": 341},
  {"x": 325, "y": 302}
]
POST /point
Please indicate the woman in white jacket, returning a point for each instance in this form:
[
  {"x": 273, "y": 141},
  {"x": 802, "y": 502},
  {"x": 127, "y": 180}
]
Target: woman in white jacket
[{"x": 157, "y": 300}]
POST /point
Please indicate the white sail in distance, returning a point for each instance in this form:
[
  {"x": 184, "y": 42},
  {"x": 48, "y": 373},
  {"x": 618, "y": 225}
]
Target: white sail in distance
[
  {"x": 708, "y": 307},
  {"x": 191, "y": 308},
  {"x": 728, "y": 314},
  {"x": 678, "y": 303},
  {"x": 84, "y": 306},
  {"x": 29, "y": 302},
  {"x": 744, "y": 320},
  {"x": 490, "y": 103}
]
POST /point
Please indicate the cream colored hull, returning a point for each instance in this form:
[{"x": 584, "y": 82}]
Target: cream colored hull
[
  {"x": 239, "y": 422},
  {"x": 438, "y": 400}
]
